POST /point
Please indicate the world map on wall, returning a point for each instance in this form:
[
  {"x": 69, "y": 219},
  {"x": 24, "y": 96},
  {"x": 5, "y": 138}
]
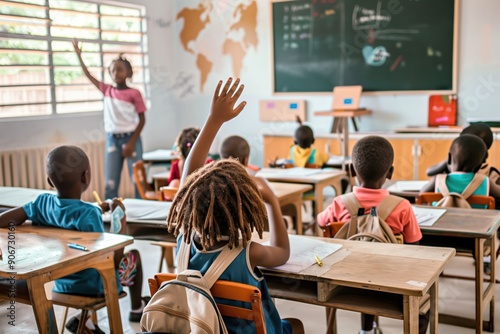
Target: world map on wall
[{"x": 214, "y": 31}]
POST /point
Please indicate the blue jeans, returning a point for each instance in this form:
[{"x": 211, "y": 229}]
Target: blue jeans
[{"x": 113, "y": 162}]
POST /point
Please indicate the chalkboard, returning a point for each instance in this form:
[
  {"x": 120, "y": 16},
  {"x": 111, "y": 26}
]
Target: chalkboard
[{"x": 384, "y": 45}]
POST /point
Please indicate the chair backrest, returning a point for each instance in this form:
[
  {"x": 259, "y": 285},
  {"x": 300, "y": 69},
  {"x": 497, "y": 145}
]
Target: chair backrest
[
  {"x": 230, "y": 291},
  {"x": 430, "y": 197},
  {"x": 140, "y": 178},
  {"x": 167, "y": 193},
  {"x": 331, "y": 229}
]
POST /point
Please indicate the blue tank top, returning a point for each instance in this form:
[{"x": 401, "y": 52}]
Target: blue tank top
[{"x": 239, "y": 271}]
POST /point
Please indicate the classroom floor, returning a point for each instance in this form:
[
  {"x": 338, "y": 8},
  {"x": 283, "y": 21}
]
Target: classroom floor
[{"x": 455, "y": 297}]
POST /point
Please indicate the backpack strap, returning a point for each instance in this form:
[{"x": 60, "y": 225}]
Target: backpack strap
[
  {"x": 387, "y": 205},
  {"x": 473, "y": 185},
  {"x": 352, "y": 205},
  {"x": 223, "y": 260},
  {"x": 441, "y": 184}
]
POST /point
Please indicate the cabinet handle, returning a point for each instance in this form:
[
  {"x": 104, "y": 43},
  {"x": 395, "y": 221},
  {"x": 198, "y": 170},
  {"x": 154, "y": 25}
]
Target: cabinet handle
[{"x": 417, "y": 150}]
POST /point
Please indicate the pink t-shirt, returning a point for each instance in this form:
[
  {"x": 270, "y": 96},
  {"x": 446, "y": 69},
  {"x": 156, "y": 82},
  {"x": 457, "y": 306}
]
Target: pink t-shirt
[
  {"x": 401, "y": 220},
  {"x": 121, "y": 108}
]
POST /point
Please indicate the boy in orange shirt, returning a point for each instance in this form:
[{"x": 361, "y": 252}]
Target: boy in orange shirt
[{"x": 372, "y": 159}]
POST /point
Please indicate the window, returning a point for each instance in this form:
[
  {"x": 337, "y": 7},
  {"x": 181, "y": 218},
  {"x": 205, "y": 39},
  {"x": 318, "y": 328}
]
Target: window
[{"x": 39, "y": 70}]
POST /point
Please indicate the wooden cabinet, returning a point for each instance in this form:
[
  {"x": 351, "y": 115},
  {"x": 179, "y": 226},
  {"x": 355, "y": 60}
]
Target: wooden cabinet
[{"x": 404, "y": 159}]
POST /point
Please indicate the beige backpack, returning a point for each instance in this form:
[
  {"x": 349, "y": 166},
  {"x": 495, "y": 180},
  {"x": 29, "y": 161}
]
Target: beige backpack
[
  {"x": 371, "y": 226},
  {"x": 456, "y": 200},
  {"x": 186, "y": 305}
]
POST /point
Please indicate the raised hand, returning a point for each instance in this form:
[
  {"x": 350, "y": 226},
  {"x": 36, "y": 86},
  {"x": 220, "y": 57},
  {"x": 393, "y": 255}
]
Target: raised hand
[
  {"x": 77, "y": 48},
  {"x": 224, "y": 100}
]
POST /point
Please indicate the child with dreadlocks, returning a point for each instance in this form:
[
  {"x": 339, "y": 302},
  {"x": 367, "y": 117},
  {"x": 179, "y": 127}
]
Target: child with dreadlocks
[
  {"x": 183, "y": 144},
  {"x": 219, "y": 204},
  {"x": 124, "y": 119}
]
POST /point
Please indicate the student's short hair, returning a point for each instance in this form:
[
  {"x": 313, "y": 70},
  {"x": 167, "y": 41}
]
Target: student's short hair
[
  {"x": 304, "y": 136},
  {"x": 372, "y": 157},
  {"x": 65, "y": 165},
  {"x": 235, "y": 147},
  {"x": 481, "y": 130},
  {"x": 468, "y": 152},
  {"x": 186, "y": 139}
]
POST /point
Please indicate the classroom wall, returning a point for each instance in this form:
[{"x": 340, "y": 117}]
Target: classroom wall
[{"x": 176, "y": 100}]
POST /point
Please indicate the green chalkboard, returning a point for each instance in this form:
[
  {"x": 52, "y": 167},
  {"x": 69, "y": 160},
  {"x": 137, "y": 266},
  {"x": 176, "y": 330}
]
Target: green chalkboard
[{"x": 383, "y": 45}]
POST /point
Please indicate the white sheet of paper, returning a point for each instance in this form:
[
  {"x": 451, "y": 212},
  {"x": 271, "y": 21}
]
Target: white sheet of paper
[
  {"x": 303, "y": 250},
  {"x": 147, "y": 210},
  {"x": 407, "y": 186},
  {"x": 427, "y": 217},
  {"x": 287, "y": 172}
]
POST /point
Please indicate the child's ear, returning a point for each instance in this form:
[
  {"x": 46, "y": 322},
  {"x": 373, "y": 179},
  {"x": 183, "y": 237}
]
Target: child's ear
[
  {"x": 389, "y": 173},
  {"x": 50, "y": 183},
  {"x": 352, "y": 170},
  {"x": 312, "y": 141},
  {"x": 245, "y": 161},
  {"x": 86, "y": 177},
  {"x": 449, "y": 158}
]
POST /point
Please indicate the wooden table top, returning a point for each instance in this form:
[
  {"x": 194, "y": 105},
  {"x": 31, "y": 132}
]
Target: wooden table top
[
  {"x": 283, "y": 190},
  {"x": 393, "y": 268},
  {"x": 472, "y": 223},
  {"x": 303, "y": 175},
  {"x": 39, "y": 248},
  {"x": 343, "y": 113}
]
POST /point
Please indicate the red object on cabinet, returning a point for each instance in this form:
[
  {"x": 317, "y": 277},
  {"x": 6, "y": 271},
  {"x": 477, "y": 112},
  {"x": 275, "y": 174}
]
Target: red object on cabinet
[{"x": 442, "y": 110}]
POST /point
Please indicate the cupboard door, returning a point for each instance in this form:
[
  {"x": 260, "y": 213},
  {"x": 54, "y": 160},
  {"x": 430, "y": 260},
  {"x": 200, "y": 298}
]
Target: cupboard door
[
  {"x": 276, "y": 147},
  {"x": 431, "y": 152},
  {"x": 404, "y": 159}
]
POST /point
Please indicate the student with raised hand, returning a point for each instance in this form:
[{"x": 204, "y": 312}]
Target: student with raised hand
[
  {"x": 219, "y": 204},
  {"x": 124, "y": 120},
  {"x": 68, "y": 171}
]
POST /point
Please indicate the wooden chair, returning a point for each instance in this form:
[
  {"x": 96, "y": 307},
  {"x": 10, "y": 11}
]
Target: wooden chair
[
  {"x": 230, "y": 291},
  {"x": 86, "y": 304},
  {"x": 144, "y": 189},
  {"x": 428, "y": 198},
  {"x": 331, "y": 229},
  {"x": 167, "y": 194}
]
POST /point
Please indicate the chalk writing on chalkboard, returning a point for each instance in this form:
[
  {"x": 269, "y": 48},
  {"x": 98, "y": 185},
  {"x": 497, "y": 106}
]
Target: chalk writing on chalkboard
[{"x": 384, "y": 45}]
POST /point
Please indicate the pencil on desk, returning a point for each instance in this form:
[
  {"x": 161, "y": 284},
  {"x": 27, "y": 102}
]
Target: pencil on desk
[
  {"x": 96, "y": 196},
  {"x": 318, "y": 261}
]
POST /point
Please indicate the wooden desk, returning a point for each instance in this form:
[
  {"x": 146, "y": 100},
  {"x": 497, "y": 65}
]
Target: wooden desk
[
  {"x": 157, "y": 156},
  {"x": 406, "y": 189},
  {"x": 41, "y": 255},
  {"x": 479, "y": 225},
  {"x": 290, "y": 194},
  {"x": 13, "y": 197},
  {"x": 319, "y": 180},
  {"x": 397, "y": 275}
]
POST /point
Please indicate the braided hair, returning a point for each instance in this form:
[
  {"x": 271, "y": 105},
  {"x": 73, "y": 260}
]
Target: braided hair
[
  {"x": 125, "y": 61},
  {"x": 218, "y": 200},
  {"x": 186, "y": 140}
]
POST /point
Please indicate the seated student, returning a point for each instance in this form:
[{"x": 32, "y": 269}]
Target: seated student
[
  {"x": 484, "y": 132},
  {"x": 219, "y": 204},
  {"x": 372, "y": 159},
  {"x": 68, "y": 170},
  {"x": 237, "y": 147},
  {"x": 183, "y": 144},
  {"x": 302, "y": 153},
  {"x": 465, "y": 158}
]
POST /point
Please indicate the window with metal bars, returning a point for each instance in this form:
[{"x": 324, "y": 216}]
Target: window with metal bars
[{"x": 39, "y": 70}]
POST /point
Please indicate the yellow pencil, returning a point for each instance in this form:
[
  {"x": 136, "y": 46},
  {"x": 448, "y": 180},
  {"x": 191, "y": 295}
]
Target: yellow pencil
[
  {"x": 318, "y": 261},
  {"x": 96, "y": 196}
]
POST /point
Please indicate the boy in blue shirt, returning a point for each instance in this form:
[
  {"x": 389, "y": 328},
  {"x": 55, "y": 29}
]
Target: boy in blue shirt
[{"x": 68, "y": 171}]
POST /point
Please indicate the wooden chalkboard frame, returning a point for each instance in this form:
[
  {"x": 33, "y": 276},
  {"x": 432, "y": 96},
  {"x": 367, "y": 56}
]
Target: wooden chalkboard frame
[{"x": 397, "y": 92}]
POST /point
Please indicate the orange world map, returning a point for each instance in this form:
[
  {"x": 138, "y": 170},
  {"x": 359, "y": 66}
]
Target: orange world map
[{"x": 238, "y": 27}]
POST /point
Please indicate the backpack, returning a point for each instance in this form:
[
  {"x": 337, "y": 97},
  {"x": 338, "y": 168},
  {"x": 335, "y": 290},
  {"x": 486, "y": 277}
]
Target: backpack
[
  {"x": 186, "y": 305},
  {"x": 456, "y": 200},
  {"x": 371, "y": 226}
]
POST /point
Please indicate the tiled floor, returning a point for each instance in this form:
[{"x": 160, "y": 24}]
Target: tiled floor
[{"x": 456, "y": 297}]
